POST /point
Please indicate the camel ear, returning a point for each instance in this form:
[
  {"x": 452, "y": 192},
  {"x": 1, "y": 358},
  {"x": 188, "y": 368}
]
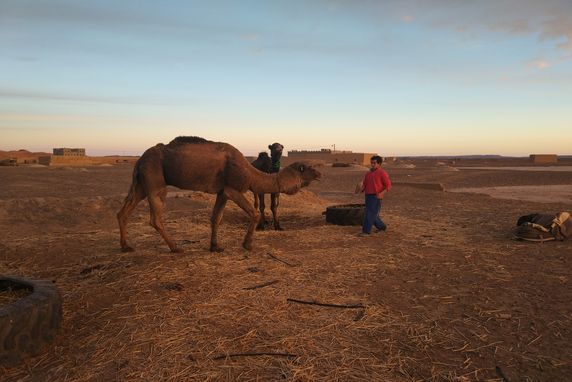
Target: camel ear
[{"x": 270, "y": 147}]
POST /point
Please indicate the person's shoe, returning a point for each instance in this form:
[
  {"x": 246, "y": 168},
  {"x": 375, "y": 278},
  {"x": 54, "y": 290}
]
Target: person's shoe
[
  {"x": 377, "y": 230},
  {"x": 364, "y": 234}
]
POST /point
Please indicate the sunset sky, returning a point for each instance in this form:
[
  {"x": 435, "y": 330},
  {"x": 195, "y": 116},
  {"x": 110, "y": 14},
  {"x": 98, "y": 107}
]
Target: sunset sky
[{"x": 425, "y": 77}]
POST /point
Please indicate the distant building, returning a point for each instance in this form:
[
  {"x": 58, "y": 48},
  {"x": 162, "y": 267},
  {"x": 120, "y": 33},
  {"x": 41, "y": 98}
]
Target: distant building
[
  {"x": 330, "y": 156},
  {"x": 9, "y": 162},
  {"x": 65, "y": 156},
  {"x": 67, "y": 152},
  {"x": 544, "y": 158}
]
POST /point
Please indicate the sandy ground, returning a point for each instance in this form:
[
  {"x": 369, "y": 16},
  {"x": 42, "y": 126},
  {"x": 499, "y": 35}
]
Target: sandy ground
[
  {"x": 522, "y": 168},
  {"x": 542, "y": 194},
  {"x": 445, "y": 294}
]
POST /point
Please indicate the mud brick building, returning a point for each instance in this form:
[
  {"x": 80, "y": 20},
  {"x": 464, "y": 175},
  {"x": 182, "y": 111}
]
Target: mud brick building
[
  {"x": 66, "y": 157},
  {"x": 67, "y": 152},
  {"x": 544, "y": 158},
  {"x": 330, "y": 156}
]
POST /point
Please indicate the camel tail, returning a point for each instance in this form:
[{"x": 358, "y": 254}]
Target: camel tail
[
  {"x": 134, "y": 196},
  {"x": 135, "y": 190}
]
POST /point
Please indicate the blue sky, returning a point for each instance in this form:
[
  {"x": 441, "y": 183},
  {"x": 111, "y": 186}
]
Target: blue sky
[{"x": 425, "y": 77}]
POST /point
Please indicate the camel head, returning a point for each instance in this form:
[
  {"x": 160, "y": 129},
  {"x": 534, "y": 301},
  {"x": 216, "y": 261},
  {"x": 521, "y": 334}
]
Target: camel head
[
  {"x": 276, "y": 150},
  {"x": 301, "y": 175}
]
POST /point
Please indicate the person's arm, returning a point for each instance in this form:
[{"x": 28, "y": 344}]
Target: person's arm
[
  {"x": 386, "y": 185},
  {"x": 360, "y": 187},
  {"x": 385, "y": 181}
]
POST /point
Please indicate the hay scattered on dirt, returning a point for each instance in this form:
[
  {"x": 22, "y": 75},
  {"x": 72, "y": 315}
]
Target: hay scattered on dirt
[{"x": 432, "y": 299}]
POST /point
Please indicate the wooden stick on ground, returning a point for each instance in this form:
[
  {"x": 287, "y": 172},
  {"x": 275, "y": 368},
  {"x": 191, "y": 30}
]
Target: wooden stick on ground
[
  {"x": 351, "y": 306},
  {"x": 261, "y": 285},
  {"x": 224, "y": 356},
  {"x": 280, "y": 260}
]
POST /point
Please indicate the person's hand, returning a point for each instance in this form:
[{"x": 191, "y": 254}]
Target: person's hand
[
  {"x": 380, "y": 195},
  {"x": 359, "y": 188}
]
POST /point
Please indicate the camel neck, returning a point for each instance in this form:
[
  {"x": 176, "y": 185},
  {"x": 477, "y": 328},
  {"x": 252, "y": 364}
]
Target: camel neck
[
  {"x": 275, "y": 165},
  {"x": 265, "y": 183},
  {"x": 284, "y": 181}
]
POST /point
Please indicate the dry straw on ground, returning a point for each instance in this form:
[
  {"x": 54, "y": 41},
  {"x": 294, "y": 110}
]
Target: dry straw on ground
[{"x": 431, "y": 299}]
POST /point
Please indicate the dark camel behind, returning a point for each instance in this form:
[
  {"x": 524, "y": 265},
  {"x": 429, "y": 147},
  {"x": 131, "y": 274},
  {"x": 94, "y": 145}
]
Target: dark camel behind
[
  {"x": 269, "y": 165},
  {"x": 193, "y": 163}
]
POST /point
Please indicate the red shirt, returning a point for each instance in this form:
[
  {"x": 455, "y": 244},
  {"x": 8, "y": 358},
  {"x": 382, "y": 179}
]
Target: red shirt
[{"x": 376, "y": 181}]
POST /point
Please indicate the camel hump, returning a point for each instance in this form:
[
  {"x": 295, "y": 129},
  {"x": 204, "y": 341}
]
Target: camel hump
[
  {"x": 263, "y": 162},
  {"x": 187, "y": 139},
  {"x": 263, "y": 155}
]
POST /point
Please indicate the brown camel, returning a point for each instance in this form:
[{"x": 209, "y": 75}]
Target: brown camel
[
  {"x": 269, "y": 165},
  {"x": 194, "y": 163}
]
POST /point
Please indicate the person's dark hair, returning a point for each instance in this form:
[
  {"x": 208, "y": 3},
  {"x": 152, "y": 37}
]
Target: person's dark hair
[{"x": 377, "y": 158}]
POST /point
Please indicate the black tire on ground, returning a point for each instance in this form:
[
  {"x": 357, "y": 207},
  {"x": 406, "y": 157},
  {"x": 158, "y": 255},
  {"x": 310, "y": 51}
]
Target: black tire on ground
[
  {"x": 527, "y": 232},
  {"x": 27, "y": 325},
  {"x": 345, "y": 214}
]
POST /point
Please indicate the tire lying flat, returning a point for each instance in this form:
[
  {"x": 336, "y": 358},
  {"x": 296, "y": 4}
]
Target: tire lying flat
[
  {"x": 27, "y": 325},
  {"x": 345, "y": 214},
  {"x": 527, "y": 232}
]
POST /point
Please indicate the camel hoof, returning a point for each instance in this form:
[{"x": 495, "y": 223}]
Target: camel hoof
[
  {"x": 279, "y": 228},
  {"x": 127, "y": 249},
  {"x": 260, "y": 228},
  {"x": 246, "y": 246},
  {"x": 177, "y": 250},
  {"x": 216, "y": 248}
]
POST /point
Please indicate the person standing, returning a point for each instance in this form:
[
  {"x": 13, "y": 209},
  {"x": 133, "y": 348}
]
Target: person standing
[{"x": 375, "y": 186}]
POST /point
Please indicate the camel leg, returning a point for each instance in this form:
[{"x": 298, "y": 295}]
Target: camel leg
[
  {"x": 261, "y": 207},
  {"x": 243, "y": 203},
  {"x": 216, "y": 217},
  {"x": 156, "y": 204},
  {"x": 274, "y": 202},
  {"x": 255, "y": 200},
  {"x": 135, "y": 195}
]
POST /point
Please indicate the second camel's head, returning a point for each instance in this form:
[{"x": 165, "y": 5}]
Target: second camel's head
[{"x": 304, "y": 172}]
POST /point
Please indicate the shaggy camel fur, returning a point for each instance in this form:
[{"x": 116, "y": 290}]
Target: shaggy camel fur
[
  {"x": 270, "y": 165},
  {"x": 194, "y": 163}
]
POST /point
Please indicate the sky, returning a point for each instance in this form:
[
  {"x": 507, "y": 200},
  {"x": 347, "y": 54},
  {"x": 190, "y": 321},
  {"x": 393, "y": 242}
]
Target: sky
[{"x": 409, "y": 77}]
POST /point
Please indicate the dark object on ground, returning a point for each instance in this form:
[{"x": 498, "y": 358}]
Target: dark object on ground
[
  {"x": 341, "y": 164},
  {"x": 544, "y": 227},
  {"x": 345, "y": 214},
  {"x": 29, "y": 323}
]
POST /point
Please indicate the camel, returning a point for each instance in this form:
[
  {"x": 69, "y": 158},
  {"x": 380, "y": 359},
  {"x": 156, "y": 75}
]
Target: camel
[
  {"x": 270, "y": 165},
  {"x": 194, "y": 163}
]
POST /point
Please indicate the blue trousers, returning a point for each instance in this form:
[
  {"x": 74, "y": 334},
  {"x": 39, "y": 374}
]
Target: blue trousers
[{"x": 372, "y": 210}]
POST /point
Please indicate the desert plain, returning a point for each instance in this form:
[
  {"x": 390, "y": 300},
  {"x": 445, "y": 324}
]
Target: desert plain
[{"x": 446, "y": 294}]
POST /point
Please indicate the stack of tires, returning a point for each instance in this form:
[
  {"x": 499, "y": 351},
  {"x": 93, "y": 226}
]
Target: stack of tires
[
  {"x": 345, "y": 214},
  {"x": 29, "y": 323}
]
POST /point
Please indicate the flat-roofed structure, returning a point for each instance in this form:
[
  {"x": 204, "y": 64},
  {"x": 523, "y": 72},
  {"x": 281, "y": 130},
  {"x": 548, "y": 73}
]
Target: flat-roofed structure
[
  {"x": 67, "y": 152},
  {"x": 330, "y": 156},
  {"x": 544, "y": 158}
]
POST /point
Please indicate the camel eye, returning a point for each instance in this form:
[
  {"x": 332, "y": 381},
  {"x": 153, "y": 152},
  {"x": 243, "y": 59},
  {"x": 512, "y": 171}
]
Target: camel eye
[{"x": 301, "y": 168}]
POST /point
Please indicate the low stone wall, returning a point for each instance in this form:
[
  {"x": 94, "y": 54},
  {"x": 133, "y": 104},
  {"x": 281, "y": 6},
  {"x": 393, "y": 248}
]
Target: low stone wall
[
  {"x": 426, "y": 186},
  {"x": 58, "y": 160}
]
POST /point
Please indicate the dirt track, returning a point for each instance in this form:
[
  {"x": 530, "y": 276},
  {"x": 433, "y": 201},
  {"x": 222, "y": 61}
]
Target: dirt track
[{"x": 447, "y": 294}]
